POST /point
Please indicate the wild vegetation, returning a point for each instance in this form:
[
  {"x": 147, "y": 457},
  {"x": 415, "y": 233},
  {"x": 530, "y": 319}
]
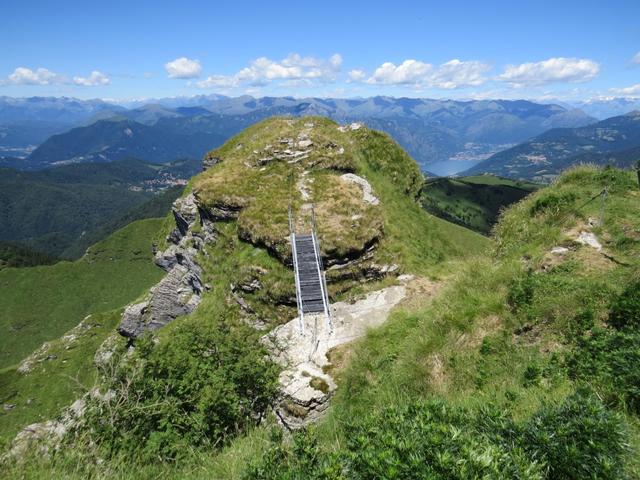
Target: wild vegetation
[
  {"x": 519, "y": 366},
  {"x": 523, "y": 349},
  {"x": 82, "y": 300},
  {"x": 12, "y": 255}
]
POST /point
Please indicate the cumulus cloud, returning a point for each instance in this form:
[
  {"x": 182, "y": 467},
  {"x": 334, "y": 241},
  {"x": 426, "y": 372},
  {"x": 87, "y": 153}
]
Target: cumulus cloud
[
  {"x": 96, "y": 78},
  {"x": 408, "y": 72},
  {"x": 632, "y": 91},
  {"x": 357, "y": 75},
  {"x": 452, "y": 74},
  {"x": 44, "y": 76},
  {"x": 218, "y": 81},
  {"x": 456, "y": 74},
  {"x": 293, "y": 69},
  {"x": 183, "y": 67},
  {"x": 560, "y": 69},
  {"x": 39, "y": 76},
  {"x": 636, "y": 59}
]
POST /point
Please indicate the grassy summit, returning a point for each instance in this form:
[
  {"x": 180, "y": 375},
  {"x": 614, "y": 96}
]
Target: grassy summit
[{"x": 269, "y": 166}]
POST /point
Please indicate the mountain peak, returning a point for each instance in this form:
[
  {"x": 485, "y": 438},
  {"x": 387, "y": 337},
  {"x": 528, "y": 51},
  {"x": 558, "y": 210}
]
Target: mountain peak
[{"x": 300, "y": 163}]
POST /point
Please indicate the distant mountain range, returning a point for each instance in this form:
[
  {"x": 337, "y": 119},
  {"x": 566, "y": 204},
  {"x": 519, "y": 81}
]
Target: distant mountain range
[
  {"x": 27, "y": 122},
  {"x": 606, "y": 108},
  {"x": 614, "y": 141},
  {"x": 455, "y": 133},
  {"x": 109, "y": 140}
]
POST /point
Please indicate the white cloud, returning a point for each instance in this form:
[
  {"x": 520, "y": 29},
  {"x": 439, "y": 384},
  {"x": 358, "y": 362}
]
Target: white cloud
[
  {"x": 560, "y": 69},
  {"x": 357, "y": 75},
  {"x": 183, "y": 67},
  {"x": 408, "y": 72},
  {"x": 456, "y": 74},
  {"x": 218, "y": 81},
  {"x": 452, "y": 74},
  {"x": 95, "y": 79},
  {"x": 293, "y": 68},
  {"x": 633, "y": 90},
  {"x": 636, "y": 58},
  {"x": 39, "y": 76}
]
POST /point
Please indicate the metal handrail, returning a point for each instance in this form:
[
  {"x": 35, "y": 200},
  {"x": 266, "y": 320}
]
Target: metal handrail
[
  {"x": 294, "y": 253},
  {"x": 321, "y": 272}
]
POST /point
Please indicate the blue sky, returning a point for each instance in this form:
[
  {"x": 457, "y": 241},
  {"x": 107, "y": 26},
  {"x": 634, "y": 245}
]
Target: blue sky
[{"x": 558, "y": 49}]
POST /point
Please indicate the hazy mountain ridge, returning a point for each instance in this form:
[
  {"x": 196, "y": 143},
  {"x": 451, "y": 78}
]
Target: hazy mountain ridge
[
  {"x": 608, "y": 107},
  {"x": 27, "y": 122},
  {"x": 544, "y": 157},
  {"x": 430, "y": 130}
]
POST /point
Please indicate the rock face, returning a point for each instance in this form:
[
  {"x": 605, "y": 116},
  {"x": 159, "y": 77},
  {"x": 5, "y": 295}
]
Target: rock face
[
  {"x": 302, "y": 351},
  {"x": 367, "y": 191},
  {"x": 179, "y": 292},
  {"x": 209, "y": 161}
]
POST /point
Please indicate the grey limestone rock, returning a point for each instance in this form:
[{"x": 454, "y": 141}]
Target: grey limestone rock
[{"x": 179, "y": 292}]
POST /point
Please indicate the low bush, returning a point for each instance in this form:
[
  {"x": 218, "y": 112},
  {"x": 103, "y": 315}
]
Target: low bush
[
  {"x": 197, "y": 387},
  {"x": 609, "y": 359},
  {"x": 521, "y": 291},
  {"x": 552, "y": 203},
  {"x": 578, "y": 439},
  {"x": 625, "y": 310}
]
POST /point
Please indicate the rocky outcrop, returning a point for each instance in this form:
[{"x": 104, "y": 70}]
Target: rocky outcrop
[
  {"x": 46, "y": 437},
  {"x": 367, "y": 190},
  {"x": 301, "y": 347},
  {"x": 180, "y": 291},
  {"x": 209, "y": 161}
]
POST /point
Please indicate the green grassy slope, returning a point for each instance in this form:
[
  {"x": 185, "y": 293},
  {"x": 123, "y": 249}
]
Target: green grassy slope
[
  {"x": 502, "y": 337},
  {"x": 40, "y": 303},
  {"x": 415, "y": 240},
  {"x": 60, "y": 374},
  {"x": 474, "y": 202}
]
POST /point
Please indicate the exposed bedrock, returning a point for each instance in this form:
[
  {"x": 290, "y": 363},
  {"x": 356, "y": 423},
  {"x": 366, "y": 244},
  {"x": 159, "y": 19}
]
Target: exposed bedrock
[
  {"x": 179, "y": 292},
  {"x": 302, "y": 350}
]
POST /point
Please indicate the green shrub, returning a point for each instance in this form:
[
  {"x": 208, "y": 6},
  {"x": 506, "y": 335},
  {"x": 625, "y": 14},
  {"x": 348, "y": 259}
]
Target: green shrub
[
  {"x": 417, "y": 441},
  {"x": 552, "y": 203},
  {"x": 198, "y": 387},
  {"x": 300, "y": 459},
  {"x": 433, "y": 440},
  {"x": 531, "y": 375},
  {"x": 580, "y": 324},
  {"x": 625, "y": 311},
  {"x": 521, "y": 291},
  {"x": 609, "y": 360},
  {"x": 578, "y": 439}
]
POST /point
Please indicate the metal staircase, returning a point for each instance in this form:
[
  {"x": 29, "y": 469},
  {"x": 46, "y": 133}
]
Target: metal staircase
[{"x": 311, "y": 284}]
